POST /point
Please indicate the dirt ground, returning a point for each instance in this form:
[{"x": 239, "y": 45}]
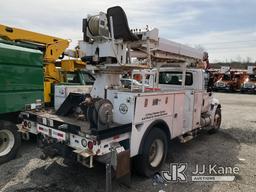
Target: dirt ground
[{"x": 234, "y": 145}]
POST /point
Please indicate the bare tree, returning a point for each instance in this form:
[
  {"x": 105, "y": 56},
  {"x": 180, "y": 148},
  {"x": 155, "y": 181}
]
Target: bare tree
[
  {"x": 200, "y": 48},
  {"x": 248, "y": 59},
  {"x": 239, "y": 58}
]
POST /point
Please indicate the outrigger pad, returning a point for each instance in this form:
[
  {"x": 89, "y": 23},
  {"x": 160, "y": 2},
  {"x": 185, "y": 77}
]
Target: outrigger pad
[{"x": 120, "y": 24}]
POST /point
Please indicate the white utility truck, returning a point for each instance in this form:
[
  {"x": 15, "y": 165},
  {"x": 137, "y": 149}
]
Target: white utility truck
[{"x": 113, "y": 124}]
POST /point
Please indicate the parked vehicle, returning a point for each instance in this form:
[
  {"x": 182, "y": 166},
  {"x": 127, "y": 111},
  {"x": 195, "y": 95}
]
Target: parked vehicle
[
  {"x": 28, "y": 72},
  {"x": 21, "y": 83},
  {"x": 249, "y": 85},
  {"x": 231, "y": 80},
  {"x": 128, "y": 82}
]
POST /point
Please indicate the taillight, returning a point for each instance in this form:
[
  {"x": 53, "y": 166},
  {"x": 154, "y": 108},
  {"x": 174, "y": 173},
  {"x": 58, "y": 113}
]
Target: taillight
[{"x": 90, "y": 145}]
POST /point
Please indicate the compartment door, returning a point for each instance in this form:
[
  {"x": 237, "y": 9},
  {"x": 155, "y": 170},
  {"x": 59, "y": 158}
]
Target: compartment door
[
  {"x": 188, "y": 110},
  {"x": 178, "y": 115},
  {"x": 198, "y": 99}
]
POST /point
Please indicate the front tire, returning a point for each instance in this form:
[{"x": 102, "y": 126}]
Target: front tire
[
  {"x": 154, "y": 152},
  {"x": 217, "y": 121},
  {"x": 10, "y": 141}
]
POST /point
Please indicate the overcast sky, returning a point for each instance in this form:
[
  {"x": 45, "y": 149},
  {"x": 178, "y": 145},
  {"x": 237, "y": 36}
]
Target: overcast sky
[{"x": 225, "y": 28}]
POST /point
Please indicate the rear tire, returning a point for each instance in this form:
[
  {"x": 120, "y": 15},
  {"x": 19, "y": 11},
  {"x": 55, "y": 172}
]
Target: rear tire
[
  {"x": 154, "y": 152},
  {"x": 10, "y": 141}
]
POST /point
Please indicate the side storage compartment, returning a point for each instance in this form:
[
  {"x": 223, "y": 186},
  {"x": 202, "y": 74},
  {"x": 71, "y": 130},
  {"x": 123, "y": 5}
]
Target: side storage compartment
[
  {"x": 198, "y": 101},
  {"x": 178, "y": 115}
]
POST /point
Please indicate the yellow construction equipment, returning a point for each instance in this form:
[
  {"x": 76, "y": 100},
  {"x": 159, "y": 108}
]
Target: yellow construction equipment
[{"x": 53, "y": 48}]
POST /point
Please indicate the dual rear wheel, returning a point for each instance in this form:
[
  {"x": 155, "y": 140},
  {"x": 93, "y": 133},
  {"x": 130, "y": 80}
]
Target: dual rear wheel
[{"x": 153, "y": 154}]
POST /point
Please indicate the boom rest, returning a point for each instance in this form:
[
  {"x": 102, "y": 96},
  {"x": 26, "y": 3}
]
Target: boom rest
[{"x": 120, "y": 24}]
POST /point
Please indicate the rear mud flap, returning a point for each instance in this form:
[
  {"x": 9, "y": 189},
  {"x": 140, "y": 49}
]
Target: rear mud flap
[{"x": 123, "y": 168}]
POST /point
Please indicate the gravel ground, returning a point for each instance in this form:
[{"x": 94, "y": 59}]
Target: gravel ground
[{"x": 234, "y": 145}]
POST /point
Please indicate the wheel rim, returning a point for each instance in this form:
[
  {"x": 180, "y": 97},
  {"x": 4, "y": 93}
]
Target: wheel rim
[
  {"x": 156, "y": 152},
  {"x": 217, "y": 121},
  {"x": 6, "y": 142}
]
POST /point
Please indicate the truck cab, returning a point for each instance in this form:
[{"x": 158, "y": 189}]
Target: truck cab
[
  {"x": 171, "y": 78},
  {"x": 197, "y": 99}
]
